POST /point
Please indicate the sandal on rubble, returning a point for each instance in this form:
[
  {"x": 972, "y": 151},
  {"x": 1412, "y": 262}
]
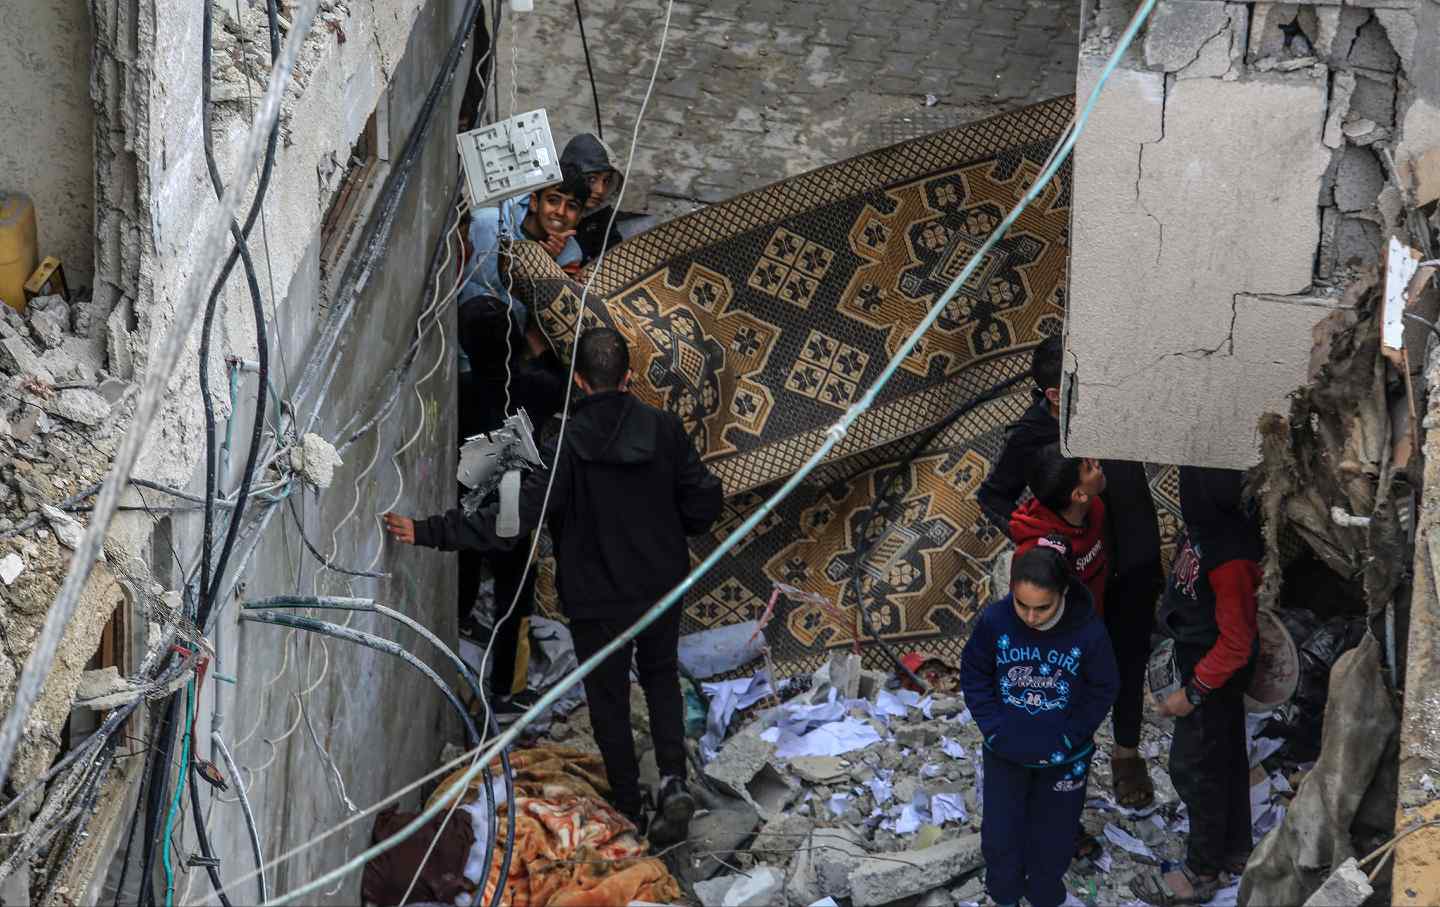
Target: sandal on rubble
[
  {"x": 1153, "y": 888},
  {"x": 1130, "y": 780}
]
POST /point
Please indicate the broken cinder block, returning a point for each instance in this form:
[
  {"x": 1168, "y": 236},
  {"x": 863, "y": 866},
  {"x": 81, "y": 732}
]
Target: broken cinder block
[{"x": 899, "y": 875}]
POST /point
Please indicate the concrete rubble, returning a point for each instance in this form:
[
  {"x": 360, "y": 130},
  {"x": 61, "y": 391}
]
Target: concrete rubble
[{"x": 895, "y": 818}]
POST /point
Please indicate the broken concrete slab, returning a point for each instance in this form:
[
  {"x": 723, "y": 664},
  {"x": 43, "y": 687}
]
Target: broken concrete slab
[
  {"x": 1374, "y": 98},
  {"x": 837, "y": 853},
  {"x": 1340, "y": 91},
  {"x": 722, "y": 828},
  {"x": 1401, "y": 29},
  {"x": 1358, "y": 179},
  {"x": 66, "y": 529},
  {"x": 1133, "y": 364},
  {"x": 842, "y": 673},
  {"x": 782, "y": 836},
  {"x": 50, "y": 326},
  {"x": 900, "y": 875},
  {"x": 820, "y": 769},
  {"x": 1371, "y": 49},
  {"x": 81, "y": 405},
  {"x": 1195, "y": 40},
  {"x": 1348, "y": 886},
  {"x": 18, "y": 358}
]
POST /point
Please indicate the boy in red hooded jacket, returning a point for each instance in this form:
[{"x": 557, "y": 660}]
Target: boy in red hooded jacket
[{"x": 1066, "y": 505}]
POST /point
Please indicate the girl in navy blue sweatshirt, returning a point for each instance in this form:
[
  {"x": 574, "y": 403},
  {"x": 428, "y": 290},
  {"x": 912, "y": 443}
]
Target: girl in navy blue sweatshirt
[{"x": 1039, "y": 676}]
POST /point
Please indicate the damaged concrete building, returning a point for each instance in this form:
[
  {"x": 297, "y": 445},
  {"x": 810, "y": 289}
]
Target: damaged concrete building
[
  {"x": 361, "y": 136},
  {"x": 1244, "y": 170}
]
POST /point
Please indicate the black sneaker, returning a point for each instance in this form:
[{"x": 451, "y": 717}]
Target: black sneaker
[{"x": 672, "y": 817}]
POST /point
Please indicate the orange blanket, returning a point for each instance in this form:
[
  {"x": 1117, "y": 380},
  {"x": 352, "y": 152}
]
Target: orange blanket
[{"x": 572, "y": 849}]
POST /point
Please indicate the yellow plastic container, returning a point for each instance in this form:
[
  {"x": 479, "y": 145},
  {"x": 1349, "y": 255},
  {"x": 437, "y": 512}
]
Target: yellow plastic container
[{"x": 19, "y": 252}]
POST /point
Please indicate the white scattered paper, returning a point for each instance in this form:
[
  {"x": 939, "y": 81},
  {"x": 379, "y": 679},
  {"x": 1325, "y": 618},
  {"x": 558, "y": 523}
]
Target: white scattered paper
[
  {"x": 1266, "y": 822},
  {"x": 837, "y": 803},
  {"x": 826, "y": 901},
  {"x": 1281, "y": 784},
  {"x": 1158, "y": 821},
  {"x": 1106, "y": 862},
  {"x": 914, "y": 814},
  {"x": 833, "y": 739},
  {"x": 880, "y": 787},
  {"x": 926, "y": 705},
  {"x": 947, "y": 807},
  {"x": 930, "y": 770},
  {"x": 1259, "y": 797},
  {"x": 895, "y": 705},
  {"x": 952, "y": 748},
  {"x": 726, "y": 698},
  {"x": 1225, "y": 897},
  {"x": 1127, "y": 842}
]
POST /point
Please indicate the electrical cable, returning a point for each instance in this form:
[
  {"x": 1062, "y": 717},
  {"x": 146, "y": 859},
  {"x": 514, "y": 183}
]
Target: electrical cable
[
  {"x": 163, "y": 359},
  {"x": 369, "y": 641},
  {"x": 185, "y": 738},
  {"x": 476, "y": 686},
  {"x": 377, "y": 230},
  {"x": 315, "y": 552},
  {"x": 251, "y": 827},
  {"x": 241, "y": 236},
  {"x": 833, "y": 437},
  {"x": 589, "y": 68}
]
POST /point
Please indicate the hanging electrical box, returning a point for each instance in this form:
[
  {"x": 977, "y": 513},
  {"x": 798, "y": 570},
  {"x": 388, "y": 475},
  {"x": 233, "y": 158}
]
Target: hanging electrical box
[{"x": 509, "y": 158}]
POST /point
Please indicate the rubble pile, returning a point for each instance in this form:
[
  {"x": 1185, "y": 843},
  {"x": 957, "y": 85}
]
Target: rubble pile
[
  {"x": 59, "y": 416},
  {"x": 859, "y": 791}
]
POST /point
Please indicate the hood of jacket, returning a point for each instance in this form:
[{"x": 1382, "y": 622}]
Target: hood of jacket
[
  {"x": 589, "y": 154},
  {"x": 1034, "y": 520},
  {"x": 609, "y": 427}
]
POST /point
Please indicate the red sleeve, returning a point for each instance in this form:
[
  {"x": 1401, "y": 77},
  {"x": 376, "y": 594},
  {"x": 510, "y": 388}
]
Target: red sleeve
[{"x": 1234, "y": 584}]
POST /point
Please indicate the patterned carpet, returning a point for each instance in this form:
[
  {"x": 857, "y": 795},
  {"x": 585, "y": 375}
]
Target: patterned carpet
[{"x": 759, "y": 321}]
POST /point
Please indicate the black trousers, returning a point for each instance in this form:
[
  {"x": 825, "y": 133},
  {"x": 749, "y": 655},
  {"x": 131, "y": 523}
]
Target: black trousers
[
  {"x": 1028, "y": 831},
  {"x": 607, "y": 689},
  {"x": 1130, "y": 618},
  {"x": 507, "y": 568},
  {"x": 1211, "y": 770}
]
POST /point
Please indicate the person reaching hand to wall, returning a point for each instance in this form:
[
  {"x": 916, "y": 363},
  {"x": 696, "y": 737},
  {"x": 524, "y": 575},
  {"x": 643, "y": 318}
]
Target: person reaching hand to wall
[
  {"x": 629, "y": 487},
  {"x": 1038, "y": 675}
]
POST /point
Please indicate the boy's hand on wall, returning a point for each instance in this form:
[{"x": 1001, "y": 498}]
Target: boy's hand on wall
[{"x": 401, "y": 528}]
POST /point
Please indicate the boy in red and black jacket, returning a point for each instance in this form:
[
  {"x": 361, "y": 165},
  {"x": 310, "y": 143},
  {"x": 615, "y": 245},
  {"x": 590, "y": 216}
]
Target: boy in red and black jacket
[
  {"x": 1067, "y": 505},
  {"x": 1210, "y": 611}
]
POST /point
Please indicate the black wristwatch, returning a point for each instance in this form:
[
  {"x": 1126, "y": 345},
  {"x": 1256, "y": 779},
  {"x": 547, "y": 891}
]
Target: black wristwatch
[{"x": 1194, "y": 695}]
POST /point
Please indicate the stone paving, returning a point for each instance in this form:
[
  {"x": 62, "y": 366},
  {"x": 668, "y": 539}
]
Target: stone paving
[{"x": 754, "y": 91}]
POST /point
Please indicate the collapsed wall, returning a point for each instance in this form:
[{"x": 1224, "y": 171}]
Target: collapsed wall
[
  {"x": 284, "y": 702},
  {"x": 1242, "y": 166}
]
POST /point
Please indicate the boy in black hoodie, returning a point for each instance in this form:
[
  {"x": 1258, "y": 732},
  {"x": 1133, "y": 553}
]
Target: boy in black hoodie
[
  {"x": 592, "y": 157},
  {"x": 1132, "y": 540},
  {"x": 1038, "y": 676},
  {"x": 629, "y": 488}
]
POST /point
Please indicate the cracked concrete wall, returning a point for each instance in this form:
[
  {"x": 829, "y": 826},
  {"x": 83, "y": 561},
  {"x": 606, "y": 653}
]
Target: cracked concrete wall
[
  {"x": 152, "y": 197},
  {"x": 1232, "y": 179},
  {"x": 47, "y": 151}
]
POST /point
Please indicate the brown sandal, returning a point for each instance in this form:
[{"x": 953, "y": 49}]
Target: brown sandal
[{"x": 1130, "y": 780}]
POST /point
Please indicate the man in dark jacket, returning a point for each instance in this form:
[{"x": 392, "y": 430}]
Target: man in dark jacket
[
  {"x": 592, "y": 157},
  {"x": 628, "y": 489},
  {"x": 1133, "y": 543}
]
